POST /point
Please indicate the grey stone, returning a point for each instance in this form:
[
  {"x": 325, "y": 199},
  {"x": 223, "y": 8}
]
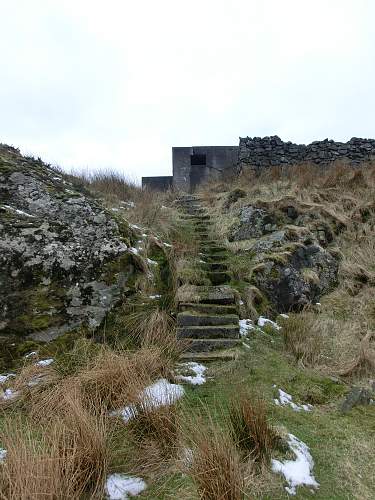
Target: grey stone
[{"x": 357, "y": 396}]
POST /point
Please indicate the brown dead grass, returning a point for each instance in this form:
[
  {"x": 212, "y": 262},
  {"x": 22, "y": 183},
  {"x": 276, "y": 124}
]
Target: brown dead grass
[
  {"x": 216, "y": 467},
  {"x": 251, "y": 430},
  {"x": 67, "y": 459}
]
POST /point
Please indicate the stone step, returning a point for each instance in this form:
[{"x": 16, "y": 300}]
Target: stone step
[
  {"x": 194, "y": 318},
  {"x": 208, "y": 332},
  {"x": 194, "y": 218},
  {"x": 216, "y": 257},
  {"x": 210, "y": 356},
  {"x": 219, "y": 277},
  {"x": 215, "y": 266},
  {"x": 208, "y": 308},
  {"x": 209, "y": 248},
  {"x": 215, "y": 295},
  {"x": 209, "y": 345}
]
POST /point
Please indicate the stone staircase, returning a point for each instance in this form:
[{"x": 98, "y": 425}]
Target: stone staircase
[{"x": 210, "y": 319}]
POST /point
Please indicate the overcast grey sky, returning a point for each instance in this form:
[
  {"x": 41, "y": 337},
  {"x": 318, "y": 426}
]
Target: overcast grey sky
[{"x": 117, "y": 83}]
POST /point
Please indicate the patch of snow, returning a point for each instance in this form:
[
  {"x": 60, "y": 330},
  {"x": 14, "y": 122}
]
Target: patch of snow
[
  {"x": 4, "y": 378},
  {"x": 130, "y": 204},
  {"x": 286, "y": 399},
  {"x": 3, "y": 454},
  {"x": 19, "y": 212},
  {"x": 265, "y": 321},
  {"x": 120, "y": 486},
  {"x": 198, "y": 369},
  {"x": 154, "y": 297},
  {"x": 164, "y": 207},
  {"x": 134, "y": 226},
  {"x": 45, "y": 362},
  {"x": 161, "y": 393},
  {"x": 187, "y": 457},
  {"x": 168, "y": 245},
  {"x": 284, "y": 315},
  {"x": 31, "y": 354},
  {"x": 246, "y": 325},
  {"x": 297, "y": 472},
  {"x": 115, "y": 209},
  {"x": 246, "y": 345},
  {"x": 10, "y": 394},
  {"x": 144, "y": 235},
  {"x": 318, "y": 304},
  {"x": 152, "y": 262},
  {"x": 134, "y": 250},
  {"x": 241, "y": 302}
]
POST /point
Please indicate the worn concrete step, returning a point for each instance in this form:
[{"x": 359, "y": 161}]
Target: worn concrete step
[
  {"x": 208, "y": 308},
  {"x": 194, "y": 318},
  {"x": 211, "y": 356},
  {"x": 210, "y": 248},
  {"x": 219, "y": 277},
  {"x": 215, "y": 266},
  {"x": 209, "y": 345},
  {"x": 195, "y": 218},
  {"x": 215, "y": 257},
  {"x": 215, "y": 295},
  {"x": 208, "y": 332}
]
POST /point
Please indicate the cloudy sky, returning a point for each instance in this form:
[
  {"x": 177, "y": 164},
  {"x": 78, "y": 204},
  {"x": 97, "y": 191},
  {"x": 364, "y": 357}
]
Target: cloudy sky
[{"x": 117, "y": 83}]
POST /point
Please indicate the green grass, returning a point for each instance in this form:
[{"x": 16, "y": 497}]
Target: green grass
[{"x": 341, "y": 445}]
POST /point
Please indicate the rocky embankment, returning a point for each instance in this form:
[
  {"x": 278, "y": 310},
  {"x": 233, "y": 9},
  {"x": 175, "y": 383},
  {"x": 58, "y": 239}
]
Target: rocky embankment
[
  {"x": 64, "y": 259},
  {"x": 289, "y": 247}
]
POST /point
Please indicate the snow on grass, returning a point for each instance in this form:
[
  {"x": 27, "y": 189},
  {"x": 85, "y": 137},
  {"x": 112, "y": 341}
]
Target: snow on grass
[
  {"x": 285, "y": 316},
  {"x": 262, "y": 321},
  {"x": 161, "y": 393},
  {"x": 153, "y": 297},
  {"x": 31, "y": 354},
  {"x": 3, "y": 454},
  {"x": 168, "y": 245},
  {"x": 45, "y": 362},
  {"x": 4, "y": 378},
  {"x": 297, "y": 472},
  {"x": 120, "y": 486},
  {"x": 197, "y": 368},
  {"x": 133, "y": 250},
  {"x": 152, "y": 262},
  {"x": 246, "y": 325},
  {"x": 286, "y": 399},
  {"x": 9, "y": 394}
]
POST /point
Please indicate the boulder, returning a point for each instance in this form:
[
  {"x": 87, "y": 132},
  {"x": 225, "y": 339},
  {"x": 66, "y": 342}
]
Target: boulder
[
  {"x": 64, "y": 259},
  {"x": 297, "y": 277},
  {"x": 253, "y": 223}
]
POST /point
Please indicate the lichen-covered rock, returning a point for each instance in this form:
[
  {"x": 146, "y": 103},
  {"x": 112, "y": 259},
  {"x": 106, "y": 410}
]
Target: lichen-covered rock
[
  {"x": 297, "y": 277},
  {"x": 253, "y": 223},
  {"x": 64, "y": 259}
]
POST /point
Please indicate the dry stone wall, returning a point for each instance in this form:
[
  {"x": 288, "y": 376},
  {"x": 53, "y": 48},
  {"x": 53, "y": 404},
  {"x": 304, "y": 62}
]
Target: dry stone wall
[{"x": 260, "y": 152}]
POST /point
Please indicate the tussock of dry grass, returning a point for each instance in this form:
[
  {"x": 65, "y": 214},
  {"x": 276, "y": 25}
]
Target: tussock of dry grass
[
  {"x": 250, "y": 428},
  {"x": 66, "y": 459},
  {"x": 216, "y": 467},
  {"x": 302, "y": 337}
]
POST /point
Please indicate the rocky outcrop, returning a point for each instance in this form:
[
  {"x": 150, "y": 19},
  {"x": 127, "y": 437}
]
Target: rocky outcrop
[
  {"x": 296, "y": 277},
  {"x": 64, "y": 259},
  {"x": 288, "y": 251},
  {"x": 261, "y": 152}
]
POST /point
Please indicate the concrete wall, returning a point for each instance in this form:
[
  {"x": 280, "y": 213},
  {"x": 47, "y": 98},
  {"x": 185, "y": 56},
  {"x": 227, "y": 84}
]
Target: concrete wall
[
  {"x": 160, "y": 183},
  {"x": 218, "y": 159}
]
